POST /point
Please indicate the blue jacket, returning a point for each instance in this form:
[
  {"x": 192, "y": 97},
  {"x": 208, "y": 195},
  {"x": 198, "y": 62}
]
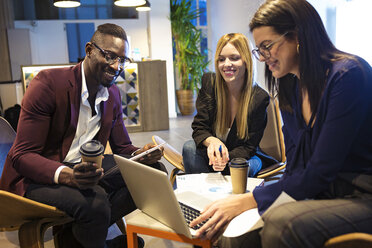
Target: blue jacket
[{"x": 340, "y": 140}]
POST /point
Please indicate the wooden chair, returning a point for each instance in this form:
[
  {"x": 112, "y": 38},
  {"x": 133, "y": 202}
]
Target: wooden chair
[
  {"x": 172, "y": 156},
  {"x": 272, "y": 142},
  {"x": 140, "y": 223},
  {"x": 29, "y": 217},
  {"x": 350, "y": 240}
]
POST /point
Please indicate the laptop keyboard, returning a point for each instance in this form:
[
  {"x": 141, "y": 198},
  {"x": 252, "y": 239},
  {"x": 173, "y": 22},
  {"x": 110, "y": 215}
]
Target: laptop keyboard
[{"x": 190, "y": 214}]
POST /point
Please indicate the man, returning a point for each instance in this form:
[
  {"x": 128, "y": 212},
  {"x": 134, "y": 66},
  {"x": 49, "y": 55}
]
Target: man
[{"x": 62, "y": 109}]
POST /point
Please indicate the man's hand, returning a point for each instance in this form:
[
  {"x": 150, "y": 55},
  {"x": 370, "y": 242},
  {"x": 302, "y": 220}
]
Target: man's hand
[
  {"x": 152, "y": 157},
  {"x": 220, "y": 213},
  {"x": 83, "y": 176}
]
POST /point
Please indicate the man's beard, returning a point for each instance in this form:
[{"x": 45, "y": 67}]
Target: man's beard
[{"x": 109, "y": 84}]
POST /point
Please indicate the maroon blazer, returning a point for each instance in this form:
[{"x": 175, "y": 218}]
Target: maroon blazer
[{"x": 47, "y": 126}]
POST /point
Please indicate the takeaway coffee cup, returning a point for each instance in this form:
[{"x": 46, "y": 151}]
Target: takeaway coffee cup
[
  {"x": 92, "y": 151},
  {"x": 239, "y": 168}
]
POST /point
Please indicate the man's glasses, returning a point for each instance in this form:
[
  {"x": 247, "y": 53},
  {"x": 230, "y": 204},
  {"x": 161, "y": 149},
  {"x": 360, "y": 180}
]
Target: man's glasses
[
  {"x": 264, "y": 50},
  {"x": 111, "y": 58}
]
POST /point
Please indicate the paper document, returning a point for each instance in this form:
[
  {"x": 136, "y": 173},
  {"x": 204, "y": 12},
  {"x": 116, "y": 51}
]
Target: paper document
[
  {"x": 213, "y": 185},
  {"x": 251, "y": 220}
]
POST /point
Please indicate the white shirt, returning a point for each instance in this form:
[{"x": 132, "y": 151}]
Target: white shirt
[{"x": 87, "y": 126}]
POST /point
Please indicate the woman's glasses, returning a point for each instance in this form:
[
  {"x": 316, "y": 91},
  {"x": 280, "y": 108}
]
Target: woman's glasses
[
  {"x": 264, "y": 50},
  {"x": 111, "y": 57}
]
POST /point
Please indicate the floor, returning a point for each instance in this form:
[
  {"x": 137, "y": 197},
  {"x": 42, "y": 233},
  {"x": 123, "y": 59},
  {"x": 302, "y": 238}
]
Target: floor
[{"x": 179, "y": 132}]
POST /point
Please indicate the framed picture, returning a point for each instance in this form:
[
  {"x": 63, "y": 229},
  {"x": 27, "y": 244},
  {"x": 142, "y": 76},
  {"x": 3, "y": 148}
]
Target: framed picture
[
  {"x": 127, "y": 83},
  {"x": 30, "y": 71}
]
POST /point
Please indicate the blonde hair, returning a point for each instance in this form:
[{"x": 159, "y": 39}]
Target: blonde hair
[{"x": 222, "y": 123}]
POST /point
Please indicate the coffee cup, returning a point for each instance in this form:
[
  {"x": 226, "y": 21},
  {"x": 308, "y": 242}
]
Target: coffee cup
[
  {"x": 239, "y": 168},
  {"x": 92, "y": 151}
]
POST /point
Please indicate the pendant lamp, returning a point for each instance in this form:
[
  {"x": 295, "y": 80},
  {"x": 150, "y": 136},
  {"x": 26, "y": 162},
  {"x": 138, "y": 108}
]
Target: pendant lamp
[
  {"x": 144, "y": 7},
  {"x": 129, "y": 3},
  {"x": 66, "y": 3}
]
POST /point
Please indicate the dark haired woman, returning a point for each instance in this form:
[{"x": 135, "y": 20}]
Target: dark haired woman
[{"x": 326, "y": 104}]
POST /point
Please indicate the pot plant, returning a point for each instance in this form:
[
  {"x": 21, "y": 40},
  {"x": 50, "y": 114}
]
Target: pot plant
[{"x": 189, "y": 61}]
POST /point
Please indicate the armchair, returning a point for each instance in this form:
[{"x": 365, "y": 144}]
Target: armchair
[
  {"x": 29, "y": 217},
  {"x": 272, "y": 142}
]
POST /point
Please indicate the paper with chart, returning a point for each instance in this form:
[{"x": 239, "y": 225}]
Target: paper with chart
[{"x": 213, "y": 185}]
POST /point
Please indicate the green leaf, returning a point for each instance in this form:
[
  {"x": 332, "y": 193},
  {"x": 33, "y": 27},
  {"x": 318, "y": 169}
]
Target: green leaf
[{"x": 189, "y": 62}]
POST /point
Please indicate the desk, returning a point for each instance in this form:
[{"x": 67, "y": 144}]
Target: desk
[{"x": 140, "y": 223}]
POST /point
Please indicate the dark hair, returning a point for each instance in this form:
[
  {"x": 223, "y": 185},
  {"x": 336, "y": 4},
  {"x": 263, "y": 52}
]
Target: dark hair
[
  {"x": 316, "y": 51},
  {"x": 108, "y": 29}
]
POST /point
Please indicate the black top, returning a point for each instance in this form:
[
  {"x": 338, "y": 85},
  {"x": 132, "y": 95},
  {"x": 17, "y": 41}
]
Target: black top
[{"x": 203, "y": 123}]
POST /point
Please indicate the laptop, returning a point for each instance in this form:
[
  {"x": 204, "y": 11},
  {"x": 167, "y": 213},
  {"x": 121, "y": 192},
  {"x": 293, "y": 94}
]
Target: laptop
[{"x": 153, "y": 194}]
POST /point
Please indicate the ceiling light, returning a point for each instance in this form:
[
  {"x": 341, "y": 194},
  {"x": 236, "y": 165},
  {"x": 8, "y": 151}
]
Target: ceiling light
[
  {"x": 66, "y": 4},
  {"x": 129, "y": 3},
  {"x": 144, "y": 7}
]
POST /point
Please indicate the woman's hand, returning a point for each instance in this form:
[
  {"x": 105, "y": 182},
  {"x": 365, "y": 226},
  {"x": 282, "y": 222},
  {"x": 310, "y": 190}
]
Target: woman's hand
[
  {"x": 217, "y": 153},
  {"x": 221, "y": 212}
]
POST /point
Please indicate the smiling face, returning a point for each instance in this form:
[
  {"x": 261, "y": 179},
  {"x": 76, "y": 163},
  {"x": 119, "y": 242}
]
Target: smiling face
[
  {"x": 99, "y": 69},
  {"x": 230, "y": 64},
  {"x": 283, "y": 58}
]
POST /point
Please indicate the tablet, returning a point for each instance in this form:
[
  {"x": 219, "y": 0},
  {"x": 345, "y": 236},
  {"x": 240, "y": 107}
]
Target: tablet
[{"x": 138, "y": 156}]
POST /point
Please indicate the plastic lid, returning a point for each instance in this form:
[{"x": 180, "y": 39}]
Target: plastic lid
[
  {"x": 91, "y": 148},
  {"x": 238, "y": 163}
]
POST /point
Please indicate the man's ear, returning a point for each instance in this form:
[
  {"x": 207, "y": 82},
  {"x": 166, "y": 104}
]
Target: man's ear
[
  {"x": 127, "y": 48},
  {"x": 88, "y": 48}
]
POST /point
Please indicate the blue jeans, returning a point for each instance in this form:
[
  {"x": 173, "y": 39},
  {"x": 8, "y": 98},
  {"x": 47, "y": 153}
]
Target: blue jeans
[{"x": 195, "y": 160}]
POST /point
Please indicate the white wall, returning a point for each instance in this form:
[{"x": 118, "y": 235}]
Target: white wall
[
  {"x": 321, "y": 7},
  {"x": 231, "y": 16},
  {"x": 20, "y": 53},
  {"x": 353, "y": 31},
  {"x": 160, "y": 36},
  {"x": 49, "y": 40}
]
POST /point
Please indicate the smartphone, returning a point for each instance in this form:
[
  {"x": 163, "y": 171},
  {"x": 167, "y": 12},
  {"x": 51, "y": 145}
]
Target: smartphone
[{"x": 138, "y": 156}]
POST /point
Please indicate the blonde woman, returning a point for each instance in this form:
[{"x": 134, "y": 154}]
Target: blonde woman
[{"x": 231, "y": 112}]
